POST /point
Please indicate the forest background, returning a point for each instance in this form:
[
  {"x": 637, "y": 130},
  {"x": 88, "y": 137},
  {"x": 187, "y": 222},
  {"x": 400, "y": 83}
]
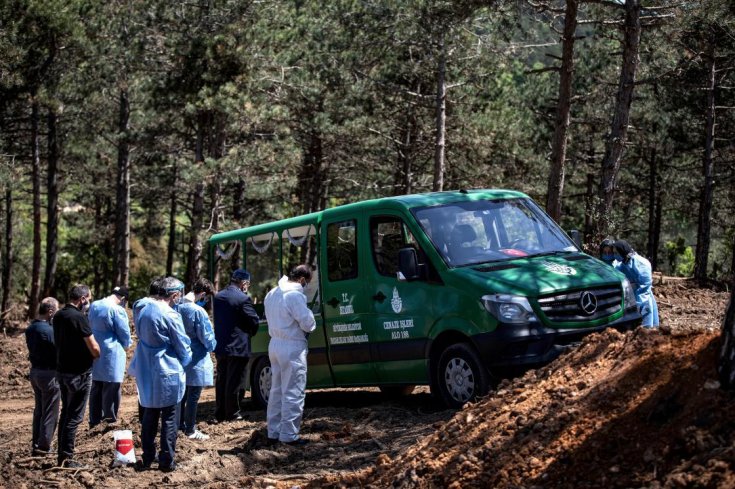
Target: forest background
[{"x": 131, "y": 131}]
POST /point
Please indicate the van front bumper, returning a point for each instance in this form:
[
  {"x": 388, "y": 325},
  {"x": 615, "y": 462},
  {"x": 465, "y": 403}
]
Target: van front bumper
[{"x": 533, "y": 344}]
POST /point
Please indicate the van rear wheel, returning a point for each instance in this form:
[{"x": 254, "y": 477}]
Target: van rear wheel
[
  {"x": 260, "y": 387},
  {"x": 461, "y": 376}
]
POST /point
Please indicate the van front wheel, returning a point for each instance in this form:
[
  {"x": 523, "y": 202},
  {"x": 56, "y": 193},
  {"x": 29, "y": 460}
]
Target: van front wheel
[
  {"x": 260, "y": 387},
  {"x": 461, "y": 376}
]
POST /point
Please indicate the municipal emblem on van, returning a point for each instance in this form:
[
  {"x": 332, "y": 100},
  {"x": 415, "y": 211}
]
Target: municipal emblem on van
[
  {"x": 558, "y": 268},
  {"x": 396, "y": 303}
]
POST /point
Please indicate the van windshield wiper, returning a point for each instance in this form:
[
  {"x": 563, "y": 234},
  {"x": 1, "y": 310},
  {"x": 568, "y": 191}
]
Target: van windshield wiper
[{"x": 551, "y": 253}]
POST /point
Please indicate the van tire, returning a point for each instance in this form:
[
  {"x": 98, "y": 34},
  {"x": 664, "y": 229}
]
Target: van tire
[
  {"x": 261, "y": 382},
  {"x": 396, "y": 391},
  {"x": 461, "y": 376}
]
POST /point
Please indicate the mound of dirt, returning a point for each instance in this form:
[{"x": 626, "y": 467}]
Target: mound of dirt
[{"x": 640, "y": 409}]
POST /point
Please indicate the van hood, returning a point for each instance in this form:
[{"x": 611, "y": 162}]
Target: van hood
[{"x": 540, "y": 275}]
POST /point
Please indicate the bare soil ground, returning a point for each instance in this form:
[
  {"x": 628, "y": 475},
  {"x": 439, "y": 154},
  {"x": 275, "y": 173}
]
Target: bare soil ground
[{"x": 640, "y": 409}]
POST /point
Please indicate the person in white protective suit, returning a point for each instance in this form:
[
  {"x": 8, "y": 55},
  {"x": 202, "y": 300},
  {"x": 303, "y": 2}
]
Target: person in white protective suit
[{"x": 289, "y": 323}]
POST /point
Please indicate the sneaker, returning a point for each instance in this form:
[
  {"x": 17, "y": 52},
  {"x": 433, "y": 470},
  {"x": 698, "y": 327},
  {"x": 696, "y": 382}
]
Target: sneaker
[
  {"x": 73, "y": 464},
  {"x": 198, "y": 435},
  {"x": 298, "y": 442}
]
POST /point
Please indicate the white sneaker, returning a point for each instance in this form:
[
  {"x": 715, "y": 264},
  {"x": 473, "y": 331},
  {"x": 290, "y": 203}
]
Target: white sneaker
[{"x": 198, "y": 435}]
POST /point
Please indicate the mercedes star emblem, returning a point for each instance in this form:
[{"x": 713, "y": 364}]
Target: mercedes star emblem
[{"x": 588, "y": 303}]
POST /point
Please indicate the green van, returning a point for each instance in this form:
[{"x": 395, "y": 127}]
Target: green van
[{"x": 449, "y": 289}]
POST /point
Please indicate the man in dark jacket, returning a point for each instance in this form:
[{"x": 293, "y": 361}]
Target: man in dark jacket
[
  {"x": 235, "y": 321},
  {"x": 42, "y": 353}
]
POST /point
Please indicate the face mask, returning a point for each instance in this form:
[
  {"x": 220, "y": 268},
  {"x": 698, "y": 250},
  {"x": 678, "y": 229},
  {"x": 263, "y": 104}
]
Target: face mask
[
  {"x": 618, "y": 257},
  {"x": 608, "y": 258},
  {"x": 201, "y": 303}
]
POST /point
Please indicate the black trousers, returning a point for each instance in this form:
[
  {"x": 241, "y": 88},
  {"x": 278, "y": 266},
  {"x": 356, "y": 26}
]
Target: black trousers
[
  {"x": 46, "y": 411},
  {"x": 74, "y": 395},
  {"x": 104, "y": 401},
  {"x": 227, "y": 387},
  {"x": 169, "y": 417}
]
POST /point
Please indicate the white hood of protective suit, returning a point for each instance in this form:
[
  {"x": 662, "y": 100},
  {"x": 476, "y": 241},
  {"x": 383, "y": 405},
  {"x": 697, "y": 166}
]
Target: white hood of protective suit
[{"x": 288, "y": 316}]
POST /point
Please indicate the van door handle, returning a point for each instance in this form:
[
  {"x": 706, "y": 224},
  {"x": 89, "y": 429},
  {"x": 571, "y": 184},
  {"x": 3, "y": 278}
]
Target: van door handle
[
  {"x": 334, "y": 302},
  {"x": 380, "y": 297}
]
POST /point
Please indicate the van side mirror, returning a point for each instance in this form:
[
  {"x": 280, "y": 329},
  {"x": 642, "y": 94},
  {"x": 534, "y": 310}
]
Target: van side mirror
[
  {"x": 408, "y": 265},
  {"x": 576, "y": 237}
]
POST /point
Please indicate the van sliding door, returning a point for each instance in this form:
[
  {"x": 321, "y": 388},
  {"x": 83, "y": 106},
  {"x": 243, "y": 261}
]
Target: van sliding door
[{"x": 344, "y": 300}]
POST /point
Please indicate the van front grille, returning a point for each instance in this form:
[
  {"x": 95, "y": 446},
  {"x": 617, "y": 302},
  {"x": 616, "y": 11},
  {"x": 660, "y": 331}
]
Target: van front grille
[{"x": 578, "y": 305}]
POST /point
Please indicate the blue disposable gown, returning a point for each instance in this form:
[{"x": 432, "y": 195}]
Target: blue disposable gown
[
  {"x": 200, "y": 372},
  {"x": 162, "y": 353},
  {"x": 638, "y": 272},
  {"x": 109, "y": 324}
]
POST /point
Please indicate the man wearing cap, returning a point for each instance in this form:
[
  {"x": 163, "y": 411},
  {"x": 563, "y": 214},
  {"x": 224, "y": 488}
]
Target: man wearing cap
[
  {"x": 235, "y": 321},
  {"x": 109, "y": 323}
]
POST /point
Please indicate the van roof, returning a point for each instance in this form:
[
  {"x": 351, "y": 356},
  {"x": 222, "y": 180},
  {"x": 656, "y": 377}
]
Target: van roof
[{"x": 397, "y": 202}]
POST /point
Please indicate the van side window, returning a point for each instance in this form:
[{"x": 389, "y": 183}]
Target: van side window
[
  {"x": 299, "y": 245},
  {"x": 342, "y": 250},
  {"x": 388, "y": 235}
]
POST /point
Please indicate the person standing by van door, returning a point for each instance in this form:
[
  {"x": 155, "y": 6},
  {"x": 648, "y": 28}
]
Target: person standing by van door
[
  {"x": 235, "y": 322},
  {"x": 42, "y": 354},
  {"x": 76, "y": 349},
  {"x": 200, "y": 372},
  {"x": 289, "y": 323},
  {"x": 638, "y": 271},
  {"x": 110, "y": 327}
]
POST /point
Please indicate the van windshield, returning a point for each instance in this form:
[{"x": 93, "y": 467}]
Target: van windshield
[{"x": 469, "y": 233}]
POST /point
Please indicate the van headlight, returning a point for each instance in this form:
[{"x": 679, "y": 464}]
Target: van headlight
[
  {"x": 506, "y": 308},
  {"x": 628, "y": 295}
]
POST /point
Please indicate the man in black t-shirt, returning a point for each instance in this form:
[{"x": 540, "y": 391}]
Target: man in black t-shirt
[
  {"x": 42, "y": 354},
  {"x": 76, "y": 349}
]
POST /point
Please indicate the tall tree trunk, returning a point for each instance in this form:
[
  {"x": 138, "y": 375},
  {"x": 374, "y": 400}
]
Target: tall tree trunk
[
  {"x": 98, "y": 260},
  {"x": 172, "y": 228},
  {"x": 8, "y": 259},
  {"x": 563, "y": 108},
  {"x": 194, "y": 252},
  {"x": 705, "y": 202},
  {"x": 441, "y": 118},
  {"x": 36, "y": 183},
  {"x": 52, "y": 206},
  {"x": 122, "y": 212},
  {"x": 657, "y": 229},
  {"x": 311, "y": 177},
  {"x": 195, "y": 244},
  {"x": 403, "y": 178},
  {"x": 589, "y": 204},
  {"x": 215, "y": 191},
  {"x": 619, "y": 126},
  {"x": 238, "y": 197},
  {"x": 652, "y": 192}
]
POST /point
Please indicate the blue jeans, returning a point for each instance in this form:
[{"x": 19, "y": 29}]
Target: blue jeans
[
  {"x": 46, "y": 411},
  {"x": 74, "y": 395},
  {"x": 104, "y": 402},
  {"x": 189, "y": 405},
  {"x": 169, "y": 417}
]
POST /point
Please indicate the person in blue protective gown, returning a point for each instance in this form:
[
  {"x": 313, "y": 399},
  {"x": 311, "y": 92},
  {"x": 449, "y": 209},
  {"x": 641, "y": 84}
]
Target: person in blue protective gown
[
  {"x": 607, "y": 251},
  {"x": 638, "y": 271},
  {"x": 162, "y": 353},
  {"x": 200, "y": 372},
  {"x": 290, "y": 321},
  {"x": 110, "y": 327}
]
